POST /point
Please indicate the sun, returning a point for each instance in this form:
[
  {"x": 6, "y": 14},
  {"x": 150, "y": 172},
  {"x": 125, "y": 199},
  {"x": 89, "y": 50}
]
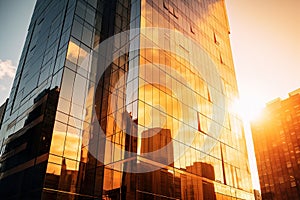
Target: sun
[{"x": 247, "y": 109}]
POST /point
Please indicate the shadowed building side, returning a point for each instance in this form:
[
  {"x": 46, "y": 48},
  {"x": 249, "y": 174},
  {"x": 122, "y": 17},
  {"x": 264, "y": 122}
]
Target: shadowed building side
[{"x": 2, "y": 111}]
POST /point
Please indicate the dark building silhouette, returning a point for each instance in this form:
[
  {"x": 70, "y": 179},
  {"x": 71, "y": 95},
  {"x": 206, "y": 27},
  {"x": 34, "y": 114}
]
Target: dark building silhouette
[
  {"x": 201, "y": 188},
  {"x": 276, "y": 136},
  {"x": 72, "y": 127},
  {"x": 66, "y": 181},
  {"x": 25, "y": 154},
  {"x": 147, "y": 188},
  {"x": 257, "y": 195},
  {"x": 158, "y": 140},
  {"x": 2, "y": 111}
]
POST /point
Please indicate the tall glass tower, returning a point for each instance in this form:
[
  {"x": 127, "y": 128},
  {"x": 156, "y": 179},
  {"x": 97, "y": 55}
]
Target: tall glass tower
[{"x": 125, "y": 99}]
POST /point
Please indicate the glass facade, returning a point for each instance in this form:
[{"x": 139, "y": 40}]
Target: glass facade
[
  {"x": 277, "y": 148},
  {"x": 152, "y": 124}
]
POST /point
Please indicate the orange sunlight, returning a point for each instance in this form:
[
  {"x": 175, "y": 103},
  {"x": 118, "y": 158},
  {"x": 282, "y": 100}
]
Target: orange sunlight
[{"x": 247, "y": 109}]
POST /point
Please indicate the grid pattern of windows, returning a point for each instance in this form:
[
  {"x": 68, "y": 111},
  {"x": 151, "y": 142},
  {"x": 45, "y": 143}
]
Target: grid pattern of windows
[
  {"x": 56, "y": 100},
  {"x": 276, "y": 139},
  {"x": 205, "y": 23}
]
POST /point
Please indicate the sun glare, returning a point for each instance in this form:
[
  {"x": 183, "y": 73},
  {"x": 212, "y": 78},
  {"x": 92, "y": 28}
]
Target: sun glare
[
  {"x": 246, "y": 109},
  {"x": 249, "y": 110}
]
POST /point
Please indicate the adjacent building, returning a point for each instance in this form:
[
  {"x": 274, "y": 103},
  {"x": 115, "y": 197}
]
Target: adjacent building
[
  {"x": 2, "y": 111},
  {"x": 125, "y": 99},
  {"x": 276, "y": 136},
  {"x": 257, "y": 195}
]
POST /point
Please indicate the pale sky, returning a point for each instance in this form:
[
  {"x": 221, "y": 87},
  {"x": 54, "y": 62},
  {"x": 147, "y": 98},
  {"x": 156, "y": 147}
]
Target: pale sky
[
  {"x": 265, "y": 39},
  {"x": 15, "y": 17}
]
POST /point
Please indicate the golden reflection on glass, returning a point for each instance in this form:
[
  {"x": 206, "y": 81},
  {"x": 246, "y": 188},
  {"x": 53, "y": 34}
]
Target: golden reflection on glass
[
  {"x": 112, "y": 179},
  {"x": 53, "y": 169},
  {"x": 73, "y": 52},
  {"x": 58, "y": 138},
  {"x": 172, "y": 96},
  {"x": 66, "y": 142},
  {"x": 153, "y": 113},
  {"x": 196, "y": 118}
]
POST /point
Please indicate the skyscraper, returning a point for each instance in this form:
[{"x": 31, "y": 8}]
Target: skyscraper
[
  {"x": 125, "y": 100},
  {"x": 276, "y": 136}
]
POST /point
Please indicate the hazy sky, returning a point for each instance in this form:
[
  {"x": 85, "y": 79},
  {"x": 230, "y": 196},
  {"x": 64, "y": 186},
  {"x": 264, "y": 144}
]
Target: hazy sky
[
  {"x": 15, "y": 17},
  {"x": 265, "y": 39}
]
